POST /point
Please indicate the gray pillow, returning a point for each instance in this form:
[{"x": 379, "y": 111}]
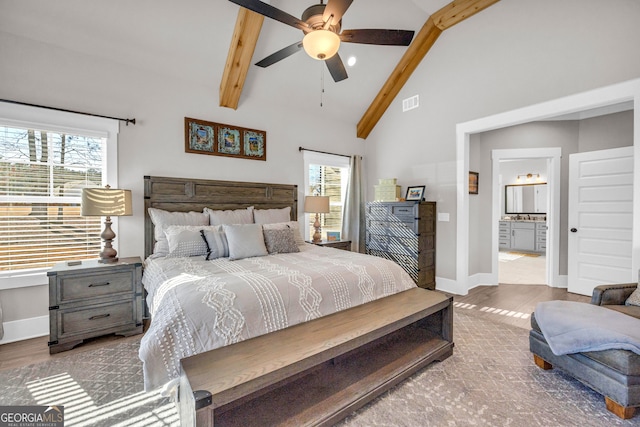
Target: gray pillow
[
  {"x": 217, "y": 245},
  {"x": 280, "y": 241},
  {"x": 634, "y": 298},
  {"x": 285, "y": 225},
  {"x": 163, "y": 219},
  {"x": 185, "y": 241},
  {"x": 245, "y": 241}
]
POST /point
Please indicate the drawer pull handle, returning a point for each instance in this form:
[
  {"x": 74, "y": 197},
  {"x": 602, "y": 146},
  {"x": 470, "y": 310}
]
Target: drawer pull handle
[
  {"x": 99, "y": 316},
  {"x": 95, "y": 285}
]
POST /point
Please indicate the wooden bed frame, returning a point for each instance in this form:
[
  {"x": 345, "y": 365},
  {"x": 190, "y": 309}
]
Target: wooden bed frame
[{"x": 314, "y": 373}]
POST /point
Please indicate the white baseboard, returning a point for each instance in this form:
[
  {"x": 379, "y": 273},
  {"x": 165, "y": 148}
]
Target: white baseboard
[
  {"x": 449, "y": 286},
  {"x": 25, "y": 329}
]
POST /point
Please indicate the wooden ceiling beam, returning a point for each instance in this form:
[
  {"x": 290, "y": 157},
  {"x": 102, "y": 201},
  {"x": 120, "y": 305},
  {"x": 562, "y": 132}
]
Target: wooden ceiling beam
[
  {"x": 243, "y": 44},
  {"x": 451, "y": 14},
  {"x": 459, "y": 10}
]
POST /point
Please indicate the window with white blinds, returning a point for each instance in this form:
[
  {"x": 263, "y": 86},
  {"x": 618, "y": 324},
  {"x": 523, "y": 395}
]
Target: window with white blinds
[
  {"x": 42, "y": 174},
  {"x": 46, "y": 158},
  {"x": 327, "y": 175}
]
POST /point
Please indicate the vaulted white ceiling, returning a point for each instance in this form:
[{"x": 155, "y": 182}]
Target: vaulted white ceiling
[{"x": 190, "y": 39}]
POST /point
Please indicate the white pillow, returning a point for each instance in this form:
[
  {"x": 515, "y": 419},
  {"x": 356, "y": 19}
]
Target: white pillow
[
  {"x": 271, "y": 216},
  {"x": 245, "y": 241},
  {"x": 284, "y": 225},
  {"x": 217, "y": 245},
  {"x": 162, "y": 219},
  {"x": 188, "y": 240},
  {"x": 235, "y": 216}
]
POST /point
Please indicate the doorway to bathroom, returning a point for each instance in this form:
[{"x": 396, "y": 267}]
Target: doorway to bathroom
[{"x": 523, "y": 211}]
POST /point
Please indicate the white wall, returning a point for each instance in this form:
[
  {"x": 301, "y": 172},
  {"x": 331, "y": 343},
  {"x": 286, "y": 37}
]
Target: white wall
[
  {"x": 513, "y": 54},
  {"x": 155, "y": 145}
]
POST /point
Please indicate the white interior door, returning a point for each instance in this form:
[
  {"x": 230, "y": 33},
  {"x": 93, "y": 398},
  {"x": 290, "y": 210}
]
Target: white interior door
[{"x": 600, "y": 218}]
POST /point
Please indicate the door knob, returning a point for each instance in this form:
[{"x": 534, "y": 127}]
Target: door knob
[{"x": 573, "y": 230}]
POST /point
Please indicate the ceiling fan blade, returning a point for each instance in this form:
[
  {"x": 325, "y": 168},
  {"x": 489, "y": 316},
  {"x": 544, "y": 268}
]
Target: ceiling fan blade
[
  {"x": 337, "y": 8},
  {"x": 336, "y": 68},
  {"x": 379, "y": 37},
  {"x": 272, "y": 12},
  {"x": 280, "y": 55}
]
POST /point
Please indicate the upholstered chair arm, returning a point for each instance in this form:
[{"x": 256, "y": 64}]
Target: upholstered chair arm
[{"x": 612, "y": 294}]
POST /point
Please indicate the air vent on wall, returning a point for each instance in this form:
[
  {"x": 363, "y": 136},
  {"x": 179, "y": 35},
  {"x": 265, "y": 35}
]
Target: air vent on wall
[{"x": 410, "y": 103}]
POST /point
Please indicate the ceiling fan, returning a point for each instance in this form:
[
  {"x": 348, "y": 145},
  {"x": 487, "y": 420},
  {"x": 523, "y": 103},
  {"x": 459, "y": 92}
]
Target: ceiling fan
[{"x": 321, "y": 25}]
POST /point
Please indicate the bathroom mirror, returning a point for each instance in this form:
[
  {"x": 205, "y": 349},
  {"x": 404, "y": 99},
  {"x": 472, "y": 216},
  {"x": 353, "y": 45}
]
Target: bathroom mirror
[{"x": 525, "y": 199}]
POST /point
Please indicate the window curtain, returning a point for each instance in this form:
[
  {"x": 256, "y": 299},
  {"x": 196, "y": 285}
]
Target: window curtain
[{"x": 353, "y": 222}]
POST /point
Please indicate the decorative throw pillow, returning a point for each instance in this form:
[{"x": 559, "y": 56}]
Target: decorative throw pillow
[
  {"x": 280, "y": 241},
  {"x": 163, "y": 219},
  {"x": 245, "y": 241},
  {"x": 235, "y": 216},
  {"x": 216, "y": 241},
  {"x": 270, "y": 216},
  {"x": 293, "y": 225},
  {"x": 186, "y": 240},
  {"x": 634, "y": 298}
]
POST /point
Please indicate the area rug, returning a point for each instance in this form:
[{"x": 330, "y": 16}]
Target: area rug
[{"x": 489, "y": 381}]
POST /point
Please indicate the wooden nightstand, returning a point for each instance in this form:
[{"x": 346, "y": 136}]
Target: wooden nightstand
[
  {"x": 93, "y": 299},
  {"x": 338, "y": 244}
]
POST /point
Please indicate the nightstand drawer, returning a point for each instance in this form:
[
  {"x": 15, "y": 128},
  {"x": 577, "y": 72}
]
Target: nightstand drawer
[
  {"x": 84, "y": 286},
  {"x": 98, "y": 318}
]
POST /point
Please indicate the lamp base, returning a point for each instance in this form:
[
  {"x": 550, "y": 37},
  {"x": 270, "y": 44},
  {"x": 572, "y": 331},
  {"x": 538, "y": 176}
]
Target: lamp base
[
  {"x": 108, "y": 254},
  {"x": 317, "y": 236}
]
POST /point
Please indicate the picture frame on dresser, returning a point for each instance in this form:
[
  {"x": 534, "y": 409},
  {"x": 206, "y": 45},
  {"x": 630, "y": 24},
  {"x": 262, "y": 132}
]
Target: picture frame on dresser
[{"x": 415, "y": 193}]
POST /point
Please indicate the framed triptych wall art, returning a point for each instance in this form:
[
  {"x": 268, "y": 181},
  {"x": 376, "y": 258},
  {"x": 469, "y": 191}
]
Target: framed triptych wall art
[{"x": 218, "y": 139}]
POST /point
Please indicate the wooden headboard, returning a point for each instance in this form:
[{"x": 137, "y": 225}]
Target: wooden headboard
[{"x": 184, "y": 195}]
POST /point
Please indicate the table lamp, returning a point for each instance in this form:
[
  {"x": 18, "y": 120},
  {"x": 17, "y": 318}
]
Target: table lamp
[
  {"x": 106, "y": 202},
  {"x": 317, "y": 205}
]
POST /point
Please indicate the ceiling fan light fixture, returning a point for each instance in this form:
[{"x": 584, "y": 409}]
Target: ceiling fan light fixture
[{"x": 321, "y": 44}]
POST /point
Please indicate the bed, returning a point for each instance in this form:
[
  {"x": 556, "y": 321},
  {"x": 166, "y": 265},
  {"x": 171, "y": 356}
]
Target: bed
[{"x": 199, "y": 305}]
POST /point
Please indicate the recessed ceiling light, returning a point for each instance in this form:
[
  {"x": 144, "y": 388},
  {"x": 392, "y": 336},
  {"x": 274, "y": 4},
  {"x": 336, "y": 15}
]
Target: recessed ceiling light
[{"x": 351, "y": 61}]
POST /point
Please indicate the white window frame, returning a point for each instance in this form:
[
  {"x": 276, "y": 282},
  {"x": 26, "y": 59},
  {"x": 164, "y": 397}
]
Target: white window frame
[
  {"x": 325, "y": 159},
  {"x": 26, "y": 117}
]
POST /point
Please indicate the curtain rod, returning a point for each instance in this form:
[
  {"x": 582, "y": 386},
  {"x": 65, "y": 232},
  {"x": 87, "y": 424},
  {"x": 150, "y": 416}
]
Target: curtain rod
[
  {"x": 127, "y": 121},
  {"x": 322, "y": 152}
]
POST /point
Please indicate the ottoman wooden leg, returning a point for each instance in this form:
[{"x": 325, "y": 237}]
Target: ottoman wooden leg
[
  {"x": 543, "y": 364},
  {"x": 621, "y": 411}
]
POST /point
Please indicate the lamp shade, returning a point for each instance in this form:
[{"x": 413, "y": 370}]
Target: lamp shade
[
  {"x": 106, "y": 202},
  {"x": 316, "y": 204},
  {"x": 321, "y": 44}
]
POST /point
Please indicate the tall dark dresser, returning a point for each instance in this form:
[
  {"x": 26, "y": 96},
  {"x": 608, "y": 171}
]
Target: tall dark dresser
[{"x": 404, "y": 232}]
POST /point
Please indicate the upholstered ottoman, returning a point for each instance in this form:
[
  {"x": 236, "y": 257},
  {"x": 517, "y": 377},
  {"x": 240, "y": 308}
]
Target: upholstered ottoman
[{"x": 613, "y": 373}]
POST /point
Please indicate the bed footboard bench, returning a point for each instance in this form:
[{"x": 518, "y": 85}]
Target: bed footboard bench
[{"x": 318, "y": 372}]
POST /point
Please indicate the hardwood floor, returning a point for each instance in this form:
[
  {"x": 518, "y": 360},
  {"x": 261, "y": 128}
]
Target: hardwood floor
[
  {"x": 511, "y": 304},
  {"x": 35, "y": 350}
]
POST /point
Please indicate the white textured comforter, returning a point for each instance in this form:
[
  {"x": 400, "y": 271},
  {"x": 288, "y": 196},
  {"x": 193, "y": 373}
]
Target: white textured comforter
[{"x": 199, "y": 305}]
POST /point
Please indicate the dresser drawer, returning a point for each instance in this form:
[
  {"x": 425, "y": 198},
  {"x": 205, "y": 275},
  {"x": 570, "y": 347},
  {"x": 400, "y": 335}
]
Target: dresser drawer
[
  {"x": 392, "y": 228},
  {"x": 404, "y": 212},
  {"x": 92, "y": 285},
  {"x": 96, "y": 318},
  {"x": 399, "y": 245}
]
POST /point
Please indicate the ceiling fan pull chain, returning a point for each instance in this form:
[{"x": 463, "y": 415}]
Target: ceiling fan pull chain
[{"x": 321, "y": 81}]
